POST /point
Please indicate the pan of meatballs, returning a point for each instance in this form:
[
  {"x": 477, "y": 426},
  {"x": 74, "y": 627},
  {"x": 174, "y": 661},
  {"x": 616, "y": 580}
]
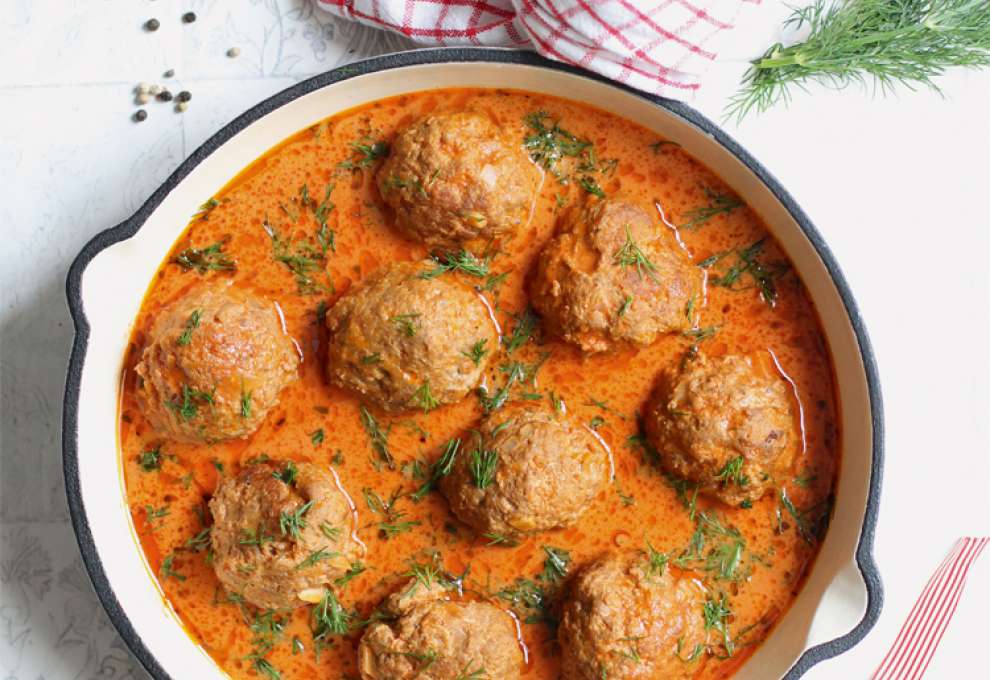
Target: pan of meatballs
[{"x": 462, "y": 364}]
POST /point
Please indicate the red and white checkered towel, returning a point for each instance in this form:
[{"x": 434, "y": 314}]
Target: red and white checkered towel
[{"x": 663, "y": 47}]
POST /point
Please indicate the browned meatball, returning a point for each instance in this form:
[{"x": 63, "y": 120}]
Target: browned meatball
[
  {"x": 525, "y": 471},
  {"x": 611, "y": 275},
  {"x": 458, "y": 179},
  {"x": 402, "y": 341},
  {"x": 626, "y": 619},
  {"x": 281, "y": 532},
  {"x": 724, "y": 424},
  {"x": 433, "y": 637},
  {"x": 214, "y": 365}
]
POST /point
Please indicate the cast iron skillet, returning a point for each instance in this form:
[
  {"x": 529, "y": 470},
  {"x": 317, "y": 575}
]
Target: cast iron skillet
[{"x": 126, "y": 229}]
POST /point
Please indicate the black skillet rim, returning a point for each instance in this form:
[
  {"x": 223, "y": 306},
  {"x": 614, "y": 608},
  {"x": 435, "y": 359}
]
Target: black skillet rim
[{"x": 129, "y": 227}]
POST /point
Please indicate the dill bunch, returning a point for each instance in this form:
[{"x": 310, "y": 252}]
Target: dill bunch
[{"x": 870, "y": 42}]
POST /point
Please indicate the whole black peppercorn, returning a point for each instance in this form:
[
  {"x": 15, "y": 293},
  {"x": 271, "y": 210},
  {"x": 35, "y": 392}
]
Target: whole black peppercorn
[
  {"x": 165, "y": 96},
  {"x": 189, "y": 17},
  {"x": 183, "y": 96},
  {"x": 169, "y": 73},
  {"x": 140, "y": 115},
  {"x": 152, "y": 24}
]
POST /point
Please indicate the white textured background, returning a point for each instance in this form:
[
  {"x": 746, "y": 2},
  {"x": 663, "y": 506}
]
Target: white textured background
[{"x": 899, "y": 187}]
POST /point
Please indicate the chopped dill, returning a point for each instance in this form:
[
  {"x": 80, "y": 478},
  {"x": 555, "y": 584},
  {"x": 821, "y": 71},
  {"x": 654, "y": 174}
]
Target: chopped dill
[
  {"x": 748, "y": 264},
  {"x": 462, "y": 261},
  {"x": 378, "y": 437},
  {"x": 441, "y": 468},
  {"x": 290, "y": 523},
  {"x": 423, "y": 398},
  {"x": 477, "y": 351},
  {"x": 168, "y": 571},
  {"x": 405, "y": 323},
  {"x": 318, "y": 555},
  {"x": 203, "y": 260},
  {"x": 718, "y": 204},
  {"x": 555, "y": 564},
  {"x": 151, "y": 459},
  {"x": 288, "y": 473},
  {"x": 191, "y": 324},
  {"x": 631, "y": 255},
  {"x": 482, "y": 466},
  {"x": 522, "y": 332}
]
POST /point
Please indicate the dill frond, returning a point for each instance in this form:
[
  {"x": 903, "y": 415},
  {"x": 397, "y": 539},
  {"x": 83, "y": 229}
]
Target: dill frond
[{"x": 882, "y": 43}]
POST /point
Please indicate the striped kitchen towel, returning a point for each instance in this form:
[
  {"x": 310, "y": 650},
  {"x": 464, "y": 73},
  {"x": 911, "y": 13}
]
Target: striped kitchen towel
[
  {"x": 915, "y": 645},
  {"x": 663, "y": 47}
]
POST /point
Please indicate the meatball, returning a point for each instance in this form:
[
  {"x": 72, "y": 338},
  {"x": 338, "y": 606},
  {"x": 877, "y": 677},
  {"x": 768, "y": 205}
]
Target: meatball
[
  {"x": 457, "y": 179},
  {"x": 610, "y": 275},
  {"x": 430, "y": 636},
  {"x": 281, "y": 532},
  {"x": 627, "y": 617},
  {"x": 528, "y": 471},
  {"x": 724, "y": 424},
  {"x": 403, "y": 340},
  {"x": 214, "y": 364}
]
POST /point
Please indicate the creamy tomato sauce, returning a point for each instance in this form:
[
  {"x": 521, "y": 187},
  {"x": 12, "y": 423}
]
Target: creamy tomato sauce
[{"x": 759, "y": 570}]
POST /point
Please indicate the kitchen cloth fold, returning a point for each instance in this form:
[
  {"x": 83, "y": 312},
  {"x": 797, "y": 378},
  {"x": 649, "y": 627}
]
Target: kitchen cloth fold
[{"x": 662, "y": 47}]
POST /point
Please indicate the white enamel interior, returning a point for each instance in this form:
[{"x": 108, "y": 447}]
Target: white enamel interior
[{"x": 832, "y": 602}]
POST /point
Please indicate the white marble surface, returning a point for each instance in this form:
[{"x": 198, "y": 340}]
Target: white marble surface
[{"x": 897, "y": 186}]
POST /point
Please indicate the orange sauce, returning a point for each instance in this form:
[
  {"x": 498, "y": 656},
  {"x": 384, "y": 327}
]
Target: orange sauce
[{"x": 640, "y": 506}]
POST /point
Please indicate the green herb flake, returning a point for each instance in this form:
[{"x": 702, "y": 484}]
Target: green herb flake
[
  {"x": 461, "y": 261},
  {"x": 378, "y": 437},
  {"x": 355, "y": 570},
  {"x": 588, "y": 183},
  {"x": 292, "y": 523},
  {"x": 482, "y": 466},
  {"x": 555, "y": 564},
  {"x": 718, "y": 204},
  {"x": 405, "y": 323},
  {"x": 168, "y": 571},
  {"x": 315, "y": 557},
  {"x": 631, "y": 255},
  {"x": 287, "y": 474},
  {"x": 150, "y": 460},
  {"x": 203, "y": 260},
  {"x": 423, "y": 398},
  {"x": 522, "y": 332},
  {"x": 477, "y": 351},
  {"x": 191, "y": 324},
  {"x": 441, "y": 468}
]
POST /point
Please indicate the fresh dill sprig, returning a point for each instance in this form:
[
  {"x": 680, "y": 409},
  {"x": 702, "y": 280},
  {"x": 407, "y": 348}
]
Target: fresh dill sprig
[{"x": 881, "y": 43}]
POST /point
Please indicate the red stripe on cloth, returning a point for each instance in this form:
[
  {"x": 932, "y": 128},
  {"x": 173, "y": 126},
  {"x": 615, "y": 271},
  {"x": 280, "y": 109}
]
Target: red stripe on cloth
[
  {"x": 939, "y": 621},
  {"x": 411, "y": 31},
  {"x": 407, "y": 17},
  {"x": 703, "y": 15},
  {"x": 935, "y": 612},
  {"x": 913, "y": 632},
  {"x": 662, "y": 31},
  {"x": 915, "y": 645},
  {"x": 955, "y": 603},
  {"x": 535, "y": 35},
  {"x": 915, "y": 610}
]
